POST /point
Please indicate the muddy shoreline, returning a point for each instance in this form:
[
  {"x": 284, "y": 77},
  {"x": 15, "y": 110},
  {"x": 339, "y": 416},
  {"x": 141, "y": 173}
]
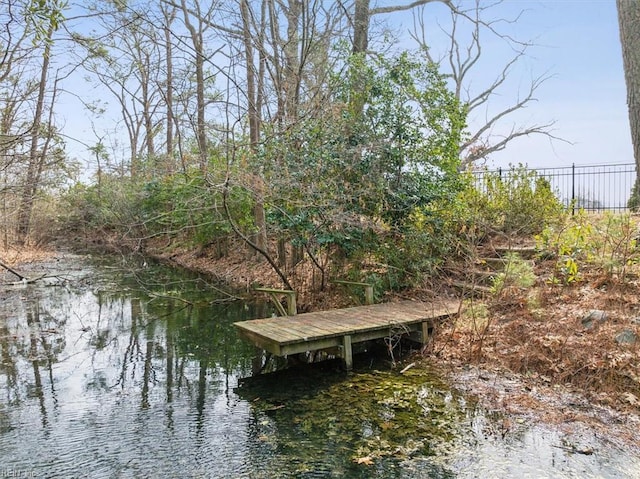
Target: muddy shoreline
[{"x": 529, "y": 401}]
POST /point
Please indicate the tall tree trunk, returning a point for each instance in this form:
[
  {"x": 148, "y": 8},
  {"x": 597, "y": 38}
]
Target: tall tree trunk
[
  {"x": 36, "y": 158},
  {"x": 198, "y": 57},
  {"x": 292, "y": 61},
  {"x": 201, "y": 132},
  {"x": 169, "y": 16},
  {"x": 274, "y": 25},
  {"x": 361, "y": 26},
  {"x": 260, "y": 238},
  {"x": 254, "y": 133},
  {"x": 145, "y": 69},
  {"x": 629, "y": 20},
  {"x": 361, "y": 18}
]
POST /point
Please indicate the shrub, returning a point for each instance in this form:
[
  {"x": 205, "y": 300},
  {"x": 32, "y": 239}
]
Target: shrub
[
  {"x": 607, "y": 243},
  {"x": 517, "y": 273},
  {"x": 634, "y": 200},
  {"x": 114, "y": 203},
  {"x": 519, "y": 201}
]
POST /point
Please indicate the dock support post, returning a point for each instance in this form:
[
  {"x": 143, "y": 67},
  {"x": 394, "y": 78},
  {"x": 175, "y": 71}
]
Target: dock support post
[
  {"x": 368, "y": 289},
  {"x": 292, "y": 307},
  {"x": 368, "y": 294},
  {"x": 426, "y": 326},
  {"x": 347, "y": 353}
]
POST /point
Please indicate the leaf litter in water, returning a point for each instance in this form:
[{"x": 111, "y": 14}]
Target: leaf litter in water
[{"x": 365, "y": 416}]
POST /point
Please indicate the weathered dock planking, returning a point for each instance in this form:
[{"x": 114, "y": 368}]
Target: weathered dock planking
[{"x": 340, "y": 328}]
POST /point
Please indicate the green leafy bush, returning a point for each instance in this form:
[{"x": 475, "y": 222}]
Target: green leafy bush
[
  {"x": 607, "y": 243},
  {"x": 113, "y": 204},
  {"x": 517, "y": 273},
  {"x": 517, "y": 201},
  {"x": 183, "y": 205},
  {"x": 349, "y": 183}
]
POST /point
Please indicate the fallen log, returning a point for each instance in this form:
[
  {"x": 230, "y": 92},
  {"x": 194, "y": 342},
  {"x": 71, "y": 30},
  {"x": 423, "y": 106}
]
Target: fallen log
[
  {"x": 22, "y": 279},
  {"x": 13, "y": 271},
  {"x": 26, "y": 280}
]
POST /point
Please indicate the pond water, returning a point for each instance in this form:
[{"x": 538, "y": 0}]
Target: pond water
[{"x": 137, "y": 372}]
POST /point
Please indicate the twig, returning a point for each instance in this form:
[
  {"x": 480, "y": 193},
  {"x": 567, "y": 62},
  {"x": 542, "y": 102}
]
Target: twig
[
  {"x": 574, "y": 449},
  {"x": 168, "y": 296},
  {"x": 407, "y": 368},
  {"x": 25, "y": 280}
]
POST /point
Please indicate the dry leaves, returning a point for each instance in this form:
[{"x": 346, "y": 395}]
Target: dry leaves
[{"x": 366, "y": 460}]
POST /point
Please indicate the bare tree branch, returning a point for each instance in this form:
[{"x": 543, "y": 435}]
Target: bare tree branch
[
  {"x": 264, "y": 253},
  {"x": 479, "y": 150},
  {"x": 408, "y": 6},
  {"x": 463, "y": 57}
]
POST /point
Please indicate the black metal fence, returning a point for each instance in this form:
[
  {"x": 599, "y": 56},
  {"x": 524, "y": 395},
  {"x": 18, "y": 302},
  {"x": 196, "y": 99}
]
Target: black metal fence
[{"x": 593, "y": 187}]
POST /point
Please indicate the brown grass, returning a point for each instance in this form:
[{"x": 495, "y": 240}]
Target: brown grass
[
  {"x": 545, "y": 338},
  {"x": 17, "y": 256}
]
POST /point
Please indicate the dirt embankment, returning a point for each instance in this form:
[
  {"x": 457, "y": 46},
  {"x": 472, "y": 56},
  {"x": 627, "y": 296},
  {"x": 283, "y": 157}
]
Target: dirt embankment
[{"x": 245, "y": 269}]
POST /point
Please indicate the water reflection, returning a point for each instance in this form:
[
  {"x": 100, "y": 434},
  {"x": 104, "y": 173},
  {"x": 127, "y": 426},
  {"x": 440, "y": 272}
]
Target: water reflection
[
  {"x": 139, "y": 375},
  {"x": 101, "y": 379}
]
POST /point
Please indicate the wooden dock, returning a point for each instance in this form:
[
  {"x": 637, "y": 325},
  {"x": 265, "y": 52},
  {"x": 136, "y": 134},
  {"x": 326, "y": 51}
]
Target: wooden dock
[{"x": 340, "y": 328}]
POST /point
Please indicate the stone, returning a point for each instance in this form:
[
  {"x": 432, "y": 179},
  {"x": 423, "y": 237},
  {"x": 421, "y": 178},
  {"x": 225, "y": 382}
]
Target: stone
[
  {"x": 594, "y": 317},
  {"x": 627, "y": 336}
]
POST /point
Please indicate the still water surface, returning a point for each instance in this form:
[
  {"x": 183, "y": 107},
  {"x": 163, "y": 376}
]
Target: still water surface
[{"x": 111, "y": 372}]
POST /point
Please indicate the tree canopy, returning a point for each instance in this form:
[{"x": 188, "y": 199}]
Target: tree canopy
[{"x": 271, "y": 121}]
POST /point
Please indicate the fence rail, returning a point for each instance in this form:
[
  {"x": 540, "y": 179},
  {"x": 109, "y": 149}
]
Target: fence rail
[{"x": 593, "y": 187}]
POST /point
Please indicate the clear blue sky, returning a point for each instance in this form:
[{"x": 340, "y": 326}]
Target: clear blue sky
[
  {"x": 579, "y": 46},
  {"x": 587, "y": 95}
]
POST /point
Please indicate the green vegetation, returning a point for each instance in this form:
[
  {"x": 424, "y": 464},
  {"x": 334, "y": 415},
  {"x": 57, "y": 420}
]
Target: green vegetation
[
  {"x": 306, "y": 151},
  {"x": 351, "y": 187},
  {"x": 634, "y": 199},
  {"x": 607, "y": 244},
  {"x": 374, "y": 196},
  {"x": 515, "y": 201},
  {"x": 517, "y": 273}
]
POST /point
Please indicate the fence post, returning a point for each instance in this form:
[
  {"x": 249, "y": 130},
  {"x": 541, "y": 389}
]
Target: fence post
[{"x": 573, "y": 188}]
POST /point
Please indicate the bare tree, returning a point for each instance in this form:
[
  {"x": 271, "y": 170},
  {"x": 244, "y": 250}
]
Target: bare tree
[
  {"x": 253, "y": 82},
  {"x": 37, "y": 150},
  {"x": 125, "y": 58},
  {"x": 168, "y": 14},
  {"x": 14, "y": 50},
  {"x": 198, "y": 20},
  {"x": 629, "y": 20},
  {"x": 465, "y": 34},
  {"x": 281, "y": 46},
  {"x": 461, "y": 61},
  {"x": 16, "y": 91}
]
